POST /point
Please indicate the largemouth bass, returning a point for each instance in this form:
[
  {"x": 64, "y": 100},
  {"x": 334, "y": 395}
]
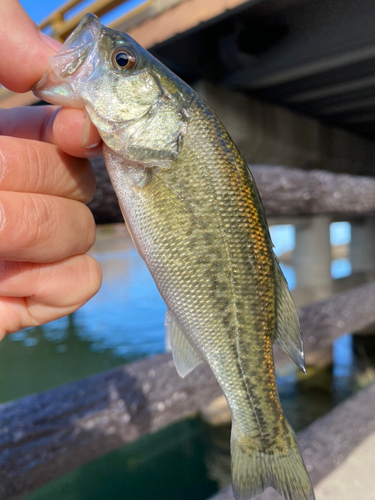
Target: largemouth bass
[{"x": 195, "y": 216}]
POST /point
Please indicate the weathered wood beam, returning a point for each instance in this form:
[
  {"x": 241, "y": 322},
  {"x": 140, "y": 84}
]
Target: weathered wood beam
[
  {"x": 289, "y": 191},
  {"x": 326, "y": 443},
  {"x": 284, "y": 192},
  {"x": 325, "y": 321},
  {"x": 163, "y": 24},
  {"x": 46, "y": 435}
]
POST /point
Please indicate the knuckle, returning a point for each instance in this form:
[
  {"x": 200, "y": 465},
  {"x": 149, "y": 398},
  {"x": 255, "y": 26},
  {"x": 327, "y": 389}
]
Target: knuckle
[
  {"x": 43, "y": 228},
  {"x": 91, "y": 228},
  {"x": 95, "y": 275},
  {"x": 24, "y": 224},
  {"x": 84, "y": 283},
  {"x": 36, "y": 213}
]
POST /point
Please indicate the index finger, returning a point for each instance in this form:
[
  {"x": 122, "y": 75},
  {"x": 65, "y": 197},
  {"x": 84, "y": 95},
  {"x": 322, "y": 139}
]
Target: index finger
[
  {"x": 69, "y": 129},
  {"x": 26, "y": 50}
]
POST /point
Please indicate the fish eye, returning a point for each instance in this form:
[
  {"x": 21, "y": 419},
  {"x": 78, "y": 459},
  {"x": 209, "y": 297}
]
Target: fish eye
[{"x": 124, "y": 59}]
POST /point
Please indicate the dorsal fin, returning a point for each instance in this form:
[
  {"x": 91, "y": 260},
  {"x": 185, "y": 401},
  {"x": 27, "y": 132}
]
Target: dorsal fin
[
  {"x": 287, "y": 329},
  {"x": 185, "y": 356}
]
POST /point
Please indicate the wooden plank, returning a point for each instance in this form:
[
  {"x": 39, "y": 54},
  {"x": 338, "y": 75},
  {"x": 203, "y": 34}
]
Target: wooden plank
[
  {"x": 285, "y": 192},
  {"x": 151, "y": 22},
  {"x": 181, "y": 18},
  {"x": 97, "y": 7},
  {"x": 147, "y": 10},
  {"x": 46, "y": 435},
  {"x": 329, "y": 441},
  {"x": 59, "y": 13},
  {"x": 62, "y": 27}
]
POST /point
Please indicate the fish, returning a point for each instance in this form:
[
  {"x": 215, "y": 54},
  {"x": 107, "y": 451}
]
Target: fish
[{"x": 196, "y": 218}]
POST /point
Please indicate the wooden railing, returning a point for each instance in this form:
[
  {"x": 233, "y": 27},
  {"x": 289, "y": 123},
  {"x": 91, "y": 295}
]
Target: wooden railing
[
  {"x": 61, "y": 23},
  {"x": 287, "y": 192},
  {"x": 46, "y": 435}
]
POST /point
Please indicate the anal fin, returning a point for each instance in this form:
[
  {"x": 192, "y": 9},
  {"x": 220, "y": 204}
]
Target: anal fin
[
  {"x": 287, "y": 330},
  {"x": 185, "y": 356}
]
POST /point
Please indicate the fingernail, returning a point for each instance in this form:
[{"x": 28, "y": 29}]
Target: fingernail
[
  {"x": 2, "y": 217},
  {"x": 86, "y": 133},
  {"x": 51, "y": 42},
  {"x": 3, "y": 168},
  {"x": 86, "y": 130}
]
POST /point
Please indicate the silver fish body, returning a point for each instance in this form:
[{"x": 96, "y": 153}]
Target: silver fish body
[{"x": 195, "y": 216}]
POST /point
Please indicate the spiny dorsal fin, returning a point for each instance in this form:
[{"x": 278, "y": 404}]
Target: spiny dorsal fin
[
  {"x": 185, "y": 357},
  {"x": 287, "y": 330}
]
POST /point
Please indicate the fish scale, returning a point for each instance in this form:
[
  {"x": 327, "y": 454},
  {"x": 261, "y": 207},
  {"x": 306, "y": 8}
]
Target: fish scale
[{"x": 195, "y": 216}]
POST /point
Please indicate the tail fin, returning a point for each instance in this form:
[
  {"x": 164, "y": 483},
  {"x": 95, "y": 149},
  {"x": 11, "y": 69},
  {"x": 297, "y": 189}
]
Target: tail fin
[{"x": 253, "y": 471}]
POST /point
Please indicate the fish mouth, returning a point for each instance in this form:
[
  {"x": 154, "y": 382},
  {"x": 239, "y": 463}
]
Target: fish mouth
[{"x": 76, "y": 54}]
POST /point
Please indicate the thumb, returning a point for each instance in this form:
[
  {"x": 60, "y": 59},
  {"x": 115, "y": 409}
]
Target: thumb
[{"x": 25, "y": 50}]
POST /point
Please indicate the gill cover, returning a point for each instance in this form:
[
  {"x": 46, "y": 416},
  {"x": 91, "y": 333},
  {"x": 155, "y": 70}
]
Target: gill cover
[{"x": 126, "y": 92}]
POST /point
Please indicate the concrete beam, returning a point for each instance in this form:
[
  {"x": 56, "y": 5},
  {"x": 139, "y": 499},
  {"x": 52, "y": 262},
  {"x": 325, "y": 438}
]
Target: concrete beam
[
  {"x": 311, "y": 259},
  {"x": 362, "y": 246},
  {"x": 270, "y": 134}
]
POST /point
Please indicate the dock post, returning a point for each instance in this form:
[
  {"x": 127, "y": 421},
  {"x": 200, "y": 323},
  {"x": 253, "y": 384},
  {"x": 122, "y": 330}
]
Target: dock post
[
  {"x": 362, "y": 257},
  {"x": 311, "y": 259},
  {"x": 362, "y": 247}
]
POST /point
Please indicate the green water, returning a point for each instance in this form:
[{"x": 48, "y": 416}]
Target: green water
[
  {"x": 45, "y": 363},
  {"x": 169, "y": 465}
]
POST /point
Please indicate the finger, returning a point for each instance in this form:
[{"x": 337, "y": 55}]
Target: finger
[
  {"x": 33, "y": 294},
  {"x": 70, "y": 129},
  {"x": 43, "y": 228},
  {"x": 35, "y": 167},
  {"x": 74, "y": 133},
  {"x": 27, "y": 50}
]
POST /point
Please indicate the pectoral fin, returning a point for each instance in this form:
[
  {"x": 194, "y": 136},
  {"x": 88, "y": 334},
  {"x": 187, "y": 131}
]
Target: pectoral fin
[
  {"x": 287, "y": 330},
  {"x": 185, "y": 357}
]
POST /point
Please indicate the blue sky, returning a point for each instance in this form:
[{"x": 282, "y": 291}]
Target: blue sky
[{"x": 38, "y": 10}]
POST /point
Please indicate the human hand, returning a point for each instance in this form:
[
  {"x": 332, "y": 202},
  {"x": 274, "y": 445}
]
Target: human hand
[{"x": 45, "y": 181}]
